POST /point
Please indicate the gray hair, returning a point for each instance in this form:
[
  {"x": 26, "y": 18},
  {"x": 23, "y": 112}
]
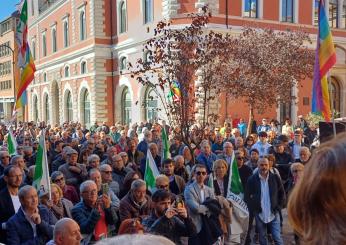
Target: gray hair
[
  {"x": 137, "y": 239},
  {"x": 176, "y": 158},
  {"x": 55, "y": 175},
  {"x": 85, "y": 184},
  {"x": 24, "y": 190},
  {"x": 3, "y": 153},
  {"x": 93, "y": 170},
  {"x": 15, "y": 158},
  {"x": 227, "y": 143},
  {"x": 122, "y": 154},
  {"x": 104, "y": 166},
  {"x": 306, "y": 149},
  {"x": 92, "y": 157},
  {"x": 60, "y": 226},
  {"x": 137, "y": 184}
]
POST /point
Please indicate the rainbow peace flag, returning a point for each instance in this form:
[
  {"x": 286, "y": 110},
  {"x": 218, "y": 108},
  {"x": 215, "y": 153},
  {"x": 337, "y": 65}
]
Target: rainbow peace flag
[
  {"x": 175, "y": 92},
  {"x": 25, "y": 60},
  {"x": 325, "y": 58}
]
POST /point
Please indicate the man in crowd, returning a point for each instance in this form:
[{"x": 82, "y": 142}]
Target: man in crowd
[
  {"x": 195, "y": 194},
  {"x": 74, "y": 172},
  {"x": 177, "y": 147},
  {"x": 254, "y": 156},
  {"x": 304, "y": 155},
  {"x": 296, "y": 144},
  {"x": 144, "y": 144},
  {"x": 171, "y": 221},
  {"x": 9, "y": 201},
  {"x": 227, "y": 153},
  {"x": 119, "y": 170},
  {"x": 32, "y": 224},
  {"x": 66, "y": 231},
  {"x": 136, "y": 203},
  {"x": 111, "y": 152},
  {"x": 4, "y": 161},
  {"x": 134, "y": 155},
  {"x": 217, "y": 147},
  {"x": 262, "y": 145},
  {"x": 93, "y": 211},
  {"x": 264, "y": 127},
  {"x": 206, "y": 157},
  {"x": 176, "y": 183},
  {"x": 265, "y": 196},
  {"x": 155, "y": 153},
  {"x": 106, "y": 175}
]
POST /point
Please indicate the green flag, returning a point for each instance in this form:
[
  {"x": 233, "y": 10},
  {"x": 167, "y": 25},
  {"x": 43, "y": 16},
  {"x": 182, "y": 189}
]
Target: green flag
[
  {"x": 11, "y": 143},
  {"x": 151, "y": 171},
  {"x": 165, "y": 147},
  {"x": 41, "y": 176},
  {"x": 234, "y": 183}
]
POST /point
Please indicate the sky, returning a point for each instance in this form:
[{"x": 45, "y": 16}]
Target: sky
[{"x": 7, "y": 7}]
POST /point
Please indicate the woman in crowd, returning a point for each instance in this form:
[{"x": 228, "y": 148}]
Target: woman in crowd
[
  {"x": 220, "y": 177},
  {"x": 287, "y": 128},
  {"x": 249, "y": 142},
  {"x": 316, "y": 208}
]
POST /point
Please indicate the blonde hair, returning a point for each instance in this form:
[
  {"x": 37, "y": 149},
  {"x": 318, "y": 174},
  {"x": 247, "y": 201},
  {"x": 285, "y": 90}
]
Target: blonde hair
[
  {"x": 218, "y": 163},
  {"x": 58, "y": 188},
  {"x": 316, "y": 208}
]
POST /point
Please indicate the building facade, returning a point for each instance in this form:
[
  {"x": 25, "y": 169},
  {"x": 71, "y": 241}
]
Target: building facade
[
  {"x": 8, "y": 72},
  {"x": 81, "y": 49}
]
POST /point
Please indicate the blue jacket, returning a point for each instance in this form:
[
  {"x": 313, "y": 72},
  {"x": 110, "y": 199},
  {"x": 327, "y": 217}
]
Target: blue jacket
[
  {"x": 207, "y": 161},
  {"x": 19, "y": 230},
  {"x": 143, "y": 147}
]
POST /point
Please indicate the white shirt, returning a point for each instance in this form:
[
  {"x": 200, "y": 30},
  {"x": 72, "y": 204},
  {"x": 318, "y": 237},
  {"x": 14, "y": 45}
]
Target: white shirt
[
  {"x": 266, "y": 215},
  {"x": 296, "y": 149},
  {"x": 15, "y": 202},
  {"x": 263, "y": 148}
]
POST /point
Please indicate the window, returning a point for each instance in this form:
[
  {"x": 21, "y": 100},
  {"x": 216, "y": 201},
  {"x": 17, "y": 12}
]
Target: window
[
  {"x": 333, "y": 13},
  {"x": 126, "y": 106},
  {"x": 287, "y": 10},
  {"x": 335, "y": 95},
  {"x": 69, "y": 110},
  {"x": 82, "y": 26},
  {"x": 151, "y": 105},
  {"x": 83, "y": 68},
  {"x": 46, "y": 108},
  {"x": 32, "y": 7},
  {"x": 123, "y": 63},
  {"x": 66, "y": 34},
  {"x": 146, "y": 57},
  {"x": 33, "y": 49},
  {"x": 45, "y": 77},
  {"x": 251, "y": 8},
  {"x": 316, "y": 3},
  {"x": 343, "y": 19},
  {"x": 35, "y": 109},
  {"x": 86, "y": 108},
  {"x": 54, "y": 44},
  {"x": 44, "y": 45},
  {"x": 67, "y": 71},
  {"x": 122, "y": 17},
  {"x": 148, "y": 11}
]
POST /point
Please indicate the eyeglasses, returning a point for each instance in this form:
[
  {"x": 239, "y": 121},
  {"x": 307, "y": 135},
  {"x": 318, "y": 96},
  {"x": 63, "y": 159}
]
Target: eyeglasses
[
  {"x": 201, "y": 173},
  {"x": 240, "y": 158},
  {"x": 162, "y": 186},
  {"x": 3, "y": 157},
  {"x": 59, "y": 180},
  {"x": 91, "y": 193},
  {"x": 107, "y": 172}
]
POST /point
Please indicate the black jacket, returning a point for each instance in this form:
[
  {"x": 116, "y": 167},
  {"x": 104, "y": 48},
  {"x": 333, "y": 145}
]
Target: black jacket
[
  {"x": 253, "y": 193},
  {"x": 173, "y": 228},
  {"x": 6, "y": 211}
]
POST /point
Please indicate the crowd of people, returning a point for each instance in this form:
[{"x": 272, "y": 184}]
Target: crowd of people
[{"x": 98, "y": 189}]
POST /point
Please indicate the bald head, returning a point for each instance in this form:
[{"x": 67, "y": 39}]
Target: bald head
[{"x": 66, "y": 231}]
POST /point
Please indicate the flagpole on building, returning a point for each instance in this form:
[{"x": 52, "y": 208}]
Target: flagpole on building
[{"x": 331, "y": 104}]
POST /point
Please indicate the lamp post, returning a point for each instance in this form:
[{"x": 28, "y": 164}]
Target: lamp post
[{"x": 13, "y": 63}]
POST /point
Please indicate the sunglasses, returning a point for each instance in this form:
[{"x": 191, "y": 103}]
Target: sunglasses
[
  {"x": 107, "y": 172},
  {"x": 59, "y": 180},
  {"x": 201, "y": 173},
  {"x": 240, "y": 158},
  {"x": 162, "y": 186}
]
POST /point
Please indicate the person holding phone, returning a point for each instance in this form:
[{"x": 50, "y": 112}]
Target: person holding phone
[{"x": 167, "y": 219}]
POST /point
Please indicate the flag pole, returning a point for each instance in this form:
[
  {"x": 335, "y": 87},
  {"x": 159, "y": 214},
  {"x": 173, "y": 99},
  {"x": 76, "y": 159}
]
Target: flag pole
[{"x": 331, "y": 104}]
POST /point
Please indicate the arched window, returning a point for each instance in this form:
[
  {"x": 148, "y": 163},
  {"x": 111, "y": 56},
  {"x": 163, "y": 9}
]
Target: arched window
[
  {"x": 54, "y": 44},
  {"x": 251, "y": 8},
  {"x": 146, "y": 55},
  {"x": 46, "y": 108},
  {"x": 83, "y": 67},
  {"x": 122, "y": 17},
  {"x": 35, "y": 109},
  {"x": 287, "y": 10},
  {"x": 335, "y": 94},
  {"x": 45, "y": 77},
  {"x": 66, "y": 34},
  {"x": 148, "y": 11},
  {"x": 67, "y": 71},
  {"x": 123, "y": 63},
  {"x": 126, "y": 106},
  {"x": 44, "y": 45},
  {"x": 86, "y": 108},
  {"x": 69, "y": 110},
  {"x": 151, "y": 103},
  {"x": 316, "y": 3},
  {"x": 82, "y": 26},
  {"x": 33, "y": 49},
  {"x": 333, "y": 13}
]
